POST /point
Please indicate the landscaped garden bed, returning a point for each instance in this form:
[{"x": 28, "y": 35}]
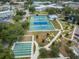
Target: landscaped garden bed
[
  {"x": 67, "y": 26},
  {"x": 56, "y": 24}
]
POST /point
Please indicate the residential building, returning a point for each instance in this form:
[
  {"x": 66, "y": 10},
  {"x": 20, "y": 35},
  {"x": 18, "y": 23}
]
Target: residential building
[
  {"x": 18, "y": 4},
  {"x": 6, "y": 12},
  {"x": 71, "y": 4}
]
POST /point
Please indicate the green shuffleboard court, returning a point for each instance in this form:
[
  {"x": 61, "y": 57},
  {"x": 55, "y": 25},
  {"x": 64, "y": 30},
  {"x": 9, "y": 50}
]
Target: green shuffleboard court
[{"x": 22, "y": 49}]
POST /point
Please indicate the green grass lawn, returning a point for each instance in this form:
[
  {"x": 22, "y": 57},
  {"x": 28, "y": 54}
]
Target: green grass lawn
[{"x": 42, "y": 12}]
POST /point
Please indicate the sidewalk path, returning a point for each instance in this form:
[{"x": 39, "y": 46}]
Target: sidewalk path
[
  {"x": 36, "y": 54},
  {"x": 75, "y": 27}
]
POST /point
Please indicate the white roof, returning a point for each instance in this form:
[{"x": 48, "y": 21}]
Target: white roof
[
  {"x": 49, "y": 6},
  {"x": 53, "y": 16},
  {"x": 40, "y": 7},
  {"x": 38, "y": 2},
  {"x": 55, "y": 6},
  {"x": 59, "y": 7}
]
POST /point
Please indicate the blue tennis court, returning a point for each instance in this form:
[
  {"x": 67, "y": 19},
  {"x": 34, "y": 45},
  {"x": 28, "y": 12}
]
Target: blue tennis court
[
  {"x": 40, "y": 23},
  {"x": 22, "y": 49}
]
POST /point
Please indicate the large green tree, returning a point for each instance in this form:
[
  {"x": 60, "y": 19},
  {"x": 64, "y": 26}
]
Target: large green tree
[
  {"x": 17, "y": 18},
  {"x": 21, "y": 13},
  {"x": 6, "y": 54},
  {"x": 25, "y": 25},
  {"x": 31, "y": 9},
  {"x": 28, "y": 4},
  {"x": 68, "y": 10},
  {"x": 52, "y": 10},
  {"x": 10, "y": 32}
]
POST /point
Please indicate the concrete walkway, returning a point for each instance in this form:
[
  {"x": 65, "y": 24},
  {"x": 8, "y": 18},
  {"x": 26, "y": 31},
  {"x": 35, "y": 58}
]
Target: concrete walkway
[
  {"x": 75, "y": 27},
  {"x": 36, "y": 54}
]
